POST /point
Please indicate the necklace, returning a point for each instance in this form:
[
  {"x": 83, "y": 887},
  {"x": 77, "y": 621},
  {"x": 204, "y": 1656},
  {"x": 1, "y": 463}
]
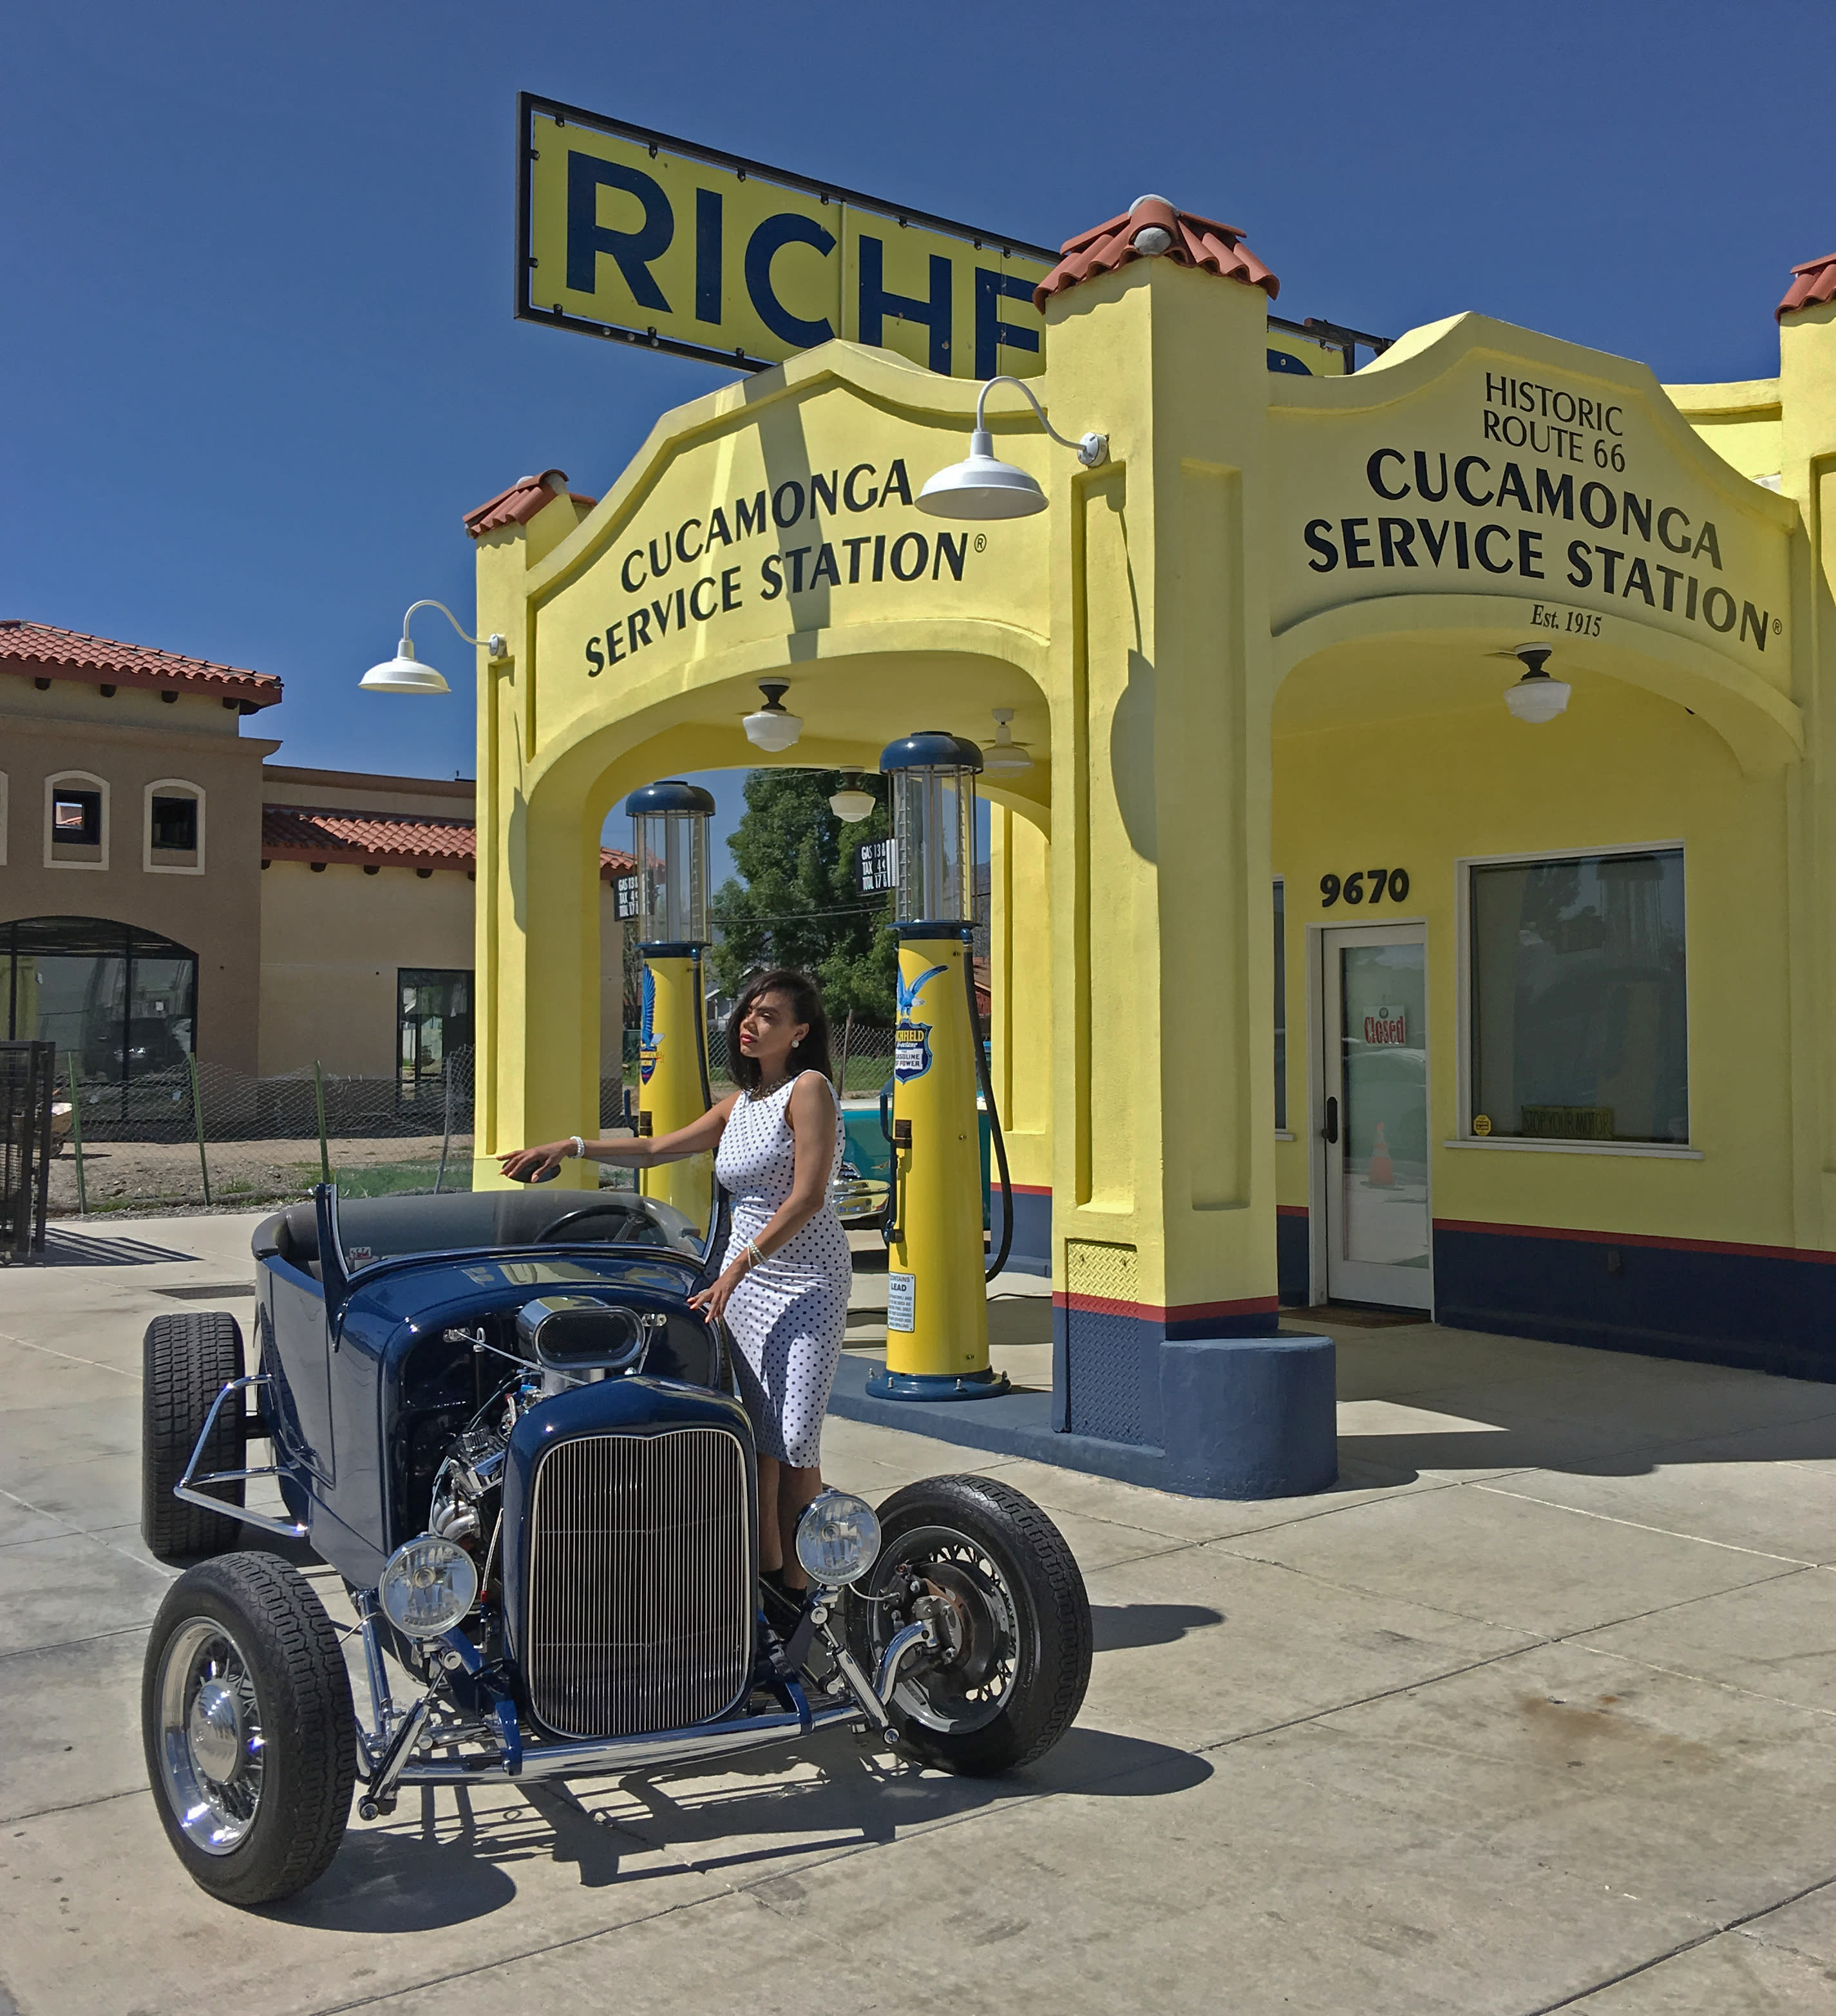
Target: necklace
[{"x": 761, "y": 1090}]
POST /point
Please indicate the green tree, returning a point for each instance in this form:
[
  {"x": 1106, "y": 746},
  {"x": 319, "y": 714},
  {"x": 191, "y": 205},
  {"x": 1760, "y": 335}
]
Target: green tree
[{"x": 796, "y": 903}]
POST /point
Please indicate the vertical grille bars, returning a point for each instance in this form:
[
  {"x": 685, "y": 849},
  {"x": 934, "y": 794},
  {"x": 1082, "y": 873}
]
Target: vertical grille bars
[{"x": 640, "y": 1582}]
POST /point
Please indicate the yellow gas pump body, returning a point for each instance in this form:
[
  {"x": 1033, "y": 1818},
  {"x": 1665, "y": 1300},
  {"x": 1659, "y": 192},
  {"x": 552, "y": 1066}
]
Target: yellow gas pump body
[
  {"x": 672, "y": 1078},
  {"x": 936, "y": 1300}
]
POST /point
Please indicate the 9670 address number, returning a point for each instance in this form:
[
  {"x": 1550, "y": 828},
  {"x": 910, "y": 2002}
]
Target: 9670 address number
[{"x": 1368, "y": 885}]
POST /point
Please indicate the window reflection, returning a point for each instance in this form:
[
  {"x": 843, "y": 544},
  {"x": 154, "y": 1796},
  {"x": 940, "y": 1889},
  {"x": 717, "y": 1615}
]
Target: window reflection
[
  {"x": 122, "y": 1001},
  {"x": 1579, "y": 1001}
]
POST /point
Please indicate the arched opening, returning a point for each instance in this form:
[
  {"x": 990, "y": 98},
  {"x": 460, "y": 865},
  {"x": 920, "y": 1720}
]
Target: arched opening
[{"x": 1501, "y": 939}]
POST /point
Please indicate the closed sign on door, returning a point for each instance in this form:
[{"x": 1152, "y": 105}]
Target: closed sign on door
[{"x": 1386, "y": 1027}]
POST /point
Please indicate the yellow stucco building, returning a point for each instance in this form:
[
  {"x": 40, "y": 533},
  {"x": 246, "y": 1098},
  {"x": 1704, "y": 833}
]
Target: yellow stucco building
[{"x": 1322, "y": 971}]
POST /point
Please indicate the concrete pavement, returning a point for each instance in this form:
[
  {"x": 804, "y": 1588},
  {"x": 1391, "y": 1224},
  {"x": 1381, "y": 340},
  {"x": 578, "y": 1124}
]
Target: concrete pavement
[{"x": 1536, "y": 1711}]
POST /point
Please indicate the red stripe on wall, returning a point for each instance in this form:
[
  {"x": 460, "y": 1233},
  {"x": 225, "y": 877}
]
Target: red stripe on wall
[
  {"x": 1290, "y": 1211},
  {"x": 1101, "y": 1306},
  {"x": 1032, "y": 1189},
  {"x": 1812, "y": 1254}
]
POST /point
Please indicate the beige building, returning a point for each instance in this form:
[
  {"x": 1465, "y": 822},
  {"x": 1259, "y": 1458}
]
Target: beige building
[
  {"x": 367, "y": 888},
  {"x": 162, "y": 892},
  {"x": 130, "y": 833}
]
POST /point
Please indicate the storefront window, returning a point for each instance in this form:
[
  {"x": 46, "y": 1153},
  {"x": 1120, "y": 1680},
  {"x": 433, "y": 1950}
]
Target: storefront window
[
  {"x": 434, "y": 1019},
  {"x": 1280, "y": 1008},
  {"x": 1579, "y": 1004},
  {"x": 123, "y": 1001}
]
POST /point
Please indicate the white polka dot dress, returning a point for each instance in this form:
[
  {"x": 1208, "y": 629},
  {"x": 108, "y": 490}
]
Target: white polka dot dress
[{"x": 788, "y": 1315}]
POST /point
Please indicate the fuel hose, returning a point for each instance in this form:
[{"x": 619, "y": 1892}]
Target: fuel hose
[{"x": 987, "y": 1093}]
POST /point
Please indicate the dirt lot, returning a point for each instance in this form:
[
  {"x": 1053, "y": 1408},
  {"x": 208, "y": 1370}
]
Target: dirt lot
[{"x": 121, "y": 1174}]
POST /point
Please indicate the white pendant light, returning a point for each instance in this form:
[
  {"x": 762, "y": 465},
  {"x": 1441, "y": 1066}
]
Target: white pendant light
[
  {"x": 773, "y": 727},
  {"x": 1536, "y": 697},
  {"x": 851, "y": 804},
  {"x": 405, "y": 673},
  {"x": 984, "y": 486},
  {"x": 1004, "y": 757}
]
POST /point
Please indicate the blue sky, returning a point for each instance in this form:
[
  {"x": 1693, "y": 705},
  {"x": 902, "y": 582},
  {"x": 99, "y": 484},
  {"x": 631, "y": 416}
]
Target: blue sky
[{"x": 258, "y": 355}]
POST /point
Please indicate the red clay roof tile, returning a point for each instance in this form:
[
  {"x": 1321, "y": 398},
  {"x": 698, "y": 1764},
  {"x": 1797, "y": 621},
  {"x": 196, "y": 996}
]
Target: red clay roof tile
[
  {"x": 41, "y": 650},
  {"x": 520, "y": 503},
  {"x": 1196, "y": 241},
  {"x": 384, "y": 840},
  {"x": 1812, "y": 283}
]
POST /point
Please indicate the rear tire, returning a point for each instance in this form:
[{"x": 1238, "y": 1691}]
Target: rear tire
[
  {"x": 1007, "y": 1593},
  {"x": 246, "y": 1721},
  {"x": 186, "y": 1361}
]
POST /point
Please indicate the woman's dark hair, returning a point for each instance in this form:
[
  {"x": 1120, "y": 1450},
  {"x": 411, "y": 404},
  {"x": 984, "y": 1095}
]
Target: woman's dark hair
[{"x": 805, "y": 998}]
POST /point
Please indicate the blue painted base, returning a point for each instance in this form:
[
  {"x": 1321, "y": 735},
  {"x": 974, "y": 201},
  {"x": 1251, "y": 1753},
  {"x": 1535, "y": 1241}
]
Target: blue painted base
[
  {"x": 1031, "y": 1252},
  {"x": 1294, "y": 1258},
  {"x": 1245, "y": 1418},
  {"x": 938, "y": 1387},
  {"x": 1760, "y": 1311}
]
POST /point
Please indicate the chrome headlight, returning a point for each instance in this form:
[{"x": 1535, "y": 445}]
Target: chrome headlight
[
  {"x": 427, "y": 1586},
  {"x": 837, "y": 1539}
]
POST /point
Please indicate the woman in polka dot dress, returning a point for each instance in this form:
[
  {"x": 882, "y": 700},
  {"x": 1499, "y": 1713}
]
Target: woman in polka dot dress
[{"x": 783, "y": 1286}]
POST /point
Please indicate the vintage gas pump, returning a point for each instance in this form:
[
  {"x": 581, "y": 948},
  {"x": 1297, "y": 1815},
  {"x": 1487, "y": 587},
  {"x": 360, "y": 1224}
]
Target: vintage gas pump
[
  {"x": 937, "y": 1331},
  {"x": 669, "y": 837}
]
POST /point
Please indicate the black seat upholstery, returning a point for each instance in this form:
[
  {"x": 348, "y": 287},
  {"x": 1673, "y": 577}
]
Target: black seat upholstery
[{"x": 379, "y": 1228}]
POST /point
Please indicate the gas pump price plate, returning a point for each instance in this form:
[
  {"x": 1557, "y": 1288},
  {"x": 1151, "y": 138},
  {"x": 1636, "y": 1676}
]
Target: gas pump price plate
[
  {"x": 902, "y": 1302},
  {"x": 876, "y": 867}
]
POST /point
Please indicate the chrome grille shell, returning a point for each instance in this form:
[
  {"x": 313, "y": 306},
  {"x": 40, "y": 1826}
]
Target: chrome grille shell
[{"x": 640, "y": 1587}]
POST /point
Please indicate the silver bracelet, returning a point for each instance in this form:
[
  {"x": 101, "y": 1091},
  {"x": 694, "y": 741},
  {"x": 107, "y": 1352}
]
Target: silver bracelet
[{"x": 579, "y": 1147}]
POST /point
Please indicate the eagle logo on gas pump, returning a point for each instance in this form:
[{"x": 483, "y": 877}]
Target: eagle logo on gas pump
[
  {"x": 911, "y": 1055},
  {"x": 647, "y": 1029}
]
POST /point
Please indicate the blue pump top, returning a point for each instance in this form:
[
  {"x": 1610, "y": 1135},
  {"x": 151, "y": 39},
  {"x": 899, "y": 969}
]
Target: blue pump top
[
  {"x": 670, "y": 794},
  {"x": 931, "y": 749}
]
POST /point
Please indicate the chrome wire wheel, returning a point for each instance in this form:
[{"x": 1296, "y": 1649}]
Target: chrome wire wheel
[
  {"x": 947, "y": 1576},
  {"x": 991, "y": 1575},
  {"x": 210, "y": 1746}
]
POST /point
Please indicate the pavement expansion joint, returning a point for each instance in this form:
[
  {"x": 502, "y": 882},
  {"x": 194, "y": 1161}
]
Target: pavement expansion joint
[
  {"x": 1715, "y": 1930},
  {"x": 1698, "y": 1680},
  {"x": 1641, "y": 1526}
]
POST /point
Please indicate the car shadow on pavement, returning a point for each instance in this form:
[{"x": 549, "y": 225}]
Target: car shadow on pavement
[
  {"x": 448, "y": 1857},
  {"x": 1121, "y": 1627}
]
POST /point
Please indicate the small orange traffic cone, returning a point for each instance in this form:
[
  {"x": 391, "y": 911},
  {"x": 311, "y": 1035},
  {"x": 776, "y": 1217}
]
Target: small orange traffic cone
[{"x": 1382, "y": 1171}]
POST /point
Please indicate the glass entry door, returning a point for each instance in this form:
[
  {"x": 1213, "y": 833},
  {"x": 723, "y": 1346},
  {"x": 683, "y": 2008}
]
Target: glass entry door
[{"x": 1375, "y": 1114}]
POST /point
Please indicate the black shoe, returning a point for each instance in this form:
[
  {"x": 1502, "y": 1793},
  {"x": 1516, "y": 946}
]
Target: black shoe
[{"x": 783, "y": 1608}]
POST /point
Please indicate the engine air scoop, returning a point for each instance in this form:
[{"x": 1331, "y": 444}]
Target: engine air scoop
[{"x": 579, "y": 1334}]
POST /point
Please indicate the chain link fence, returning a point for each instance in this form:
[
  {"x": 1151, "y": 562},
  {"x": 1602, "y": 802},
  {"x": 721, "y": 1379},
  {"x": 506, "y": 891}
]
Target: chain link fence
[
  {"x": 201, "y": 1137},
  {"x": 860, "y": 1059}
]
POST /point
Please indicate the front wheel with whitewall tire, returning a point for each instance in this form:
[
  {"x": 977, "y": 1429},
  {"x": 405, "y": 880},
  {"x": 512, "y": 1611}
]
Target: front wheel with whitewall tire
[
  {"x": 1003, "y": 1592},
  {"x": 248, "y": 1727}
]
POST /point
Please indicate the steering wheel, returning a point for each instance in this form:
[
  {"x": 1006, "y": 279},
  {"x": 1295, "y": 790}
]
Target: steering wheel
[{"x": 603, "y": 1208}]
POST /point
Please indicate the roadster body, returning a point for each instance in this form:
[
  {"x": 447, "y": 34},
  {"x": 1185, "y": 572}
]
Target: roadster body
[{"x": 496, "y": 1418}]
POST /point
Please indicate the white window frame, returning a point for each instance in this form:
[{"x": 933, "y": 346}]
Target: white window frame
[
  {"x": 170, "y": 787},
  {"x": 1669, "y": 1151},
  {"x": 89, "y": 781}
]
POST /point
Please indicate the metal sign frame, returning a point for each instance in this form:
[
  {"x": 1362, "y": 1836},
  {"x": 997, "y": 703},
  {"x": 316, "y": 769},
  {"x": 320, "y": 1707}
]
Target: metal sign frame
[{"x": 530, "y": 105}]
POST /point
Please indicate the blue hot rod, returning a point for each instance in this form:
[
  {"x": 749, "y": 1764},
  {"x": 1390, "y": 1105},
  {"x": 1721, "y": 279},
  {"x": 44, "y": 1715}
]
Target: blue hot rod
[{"x": 495, "y": 1416}]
